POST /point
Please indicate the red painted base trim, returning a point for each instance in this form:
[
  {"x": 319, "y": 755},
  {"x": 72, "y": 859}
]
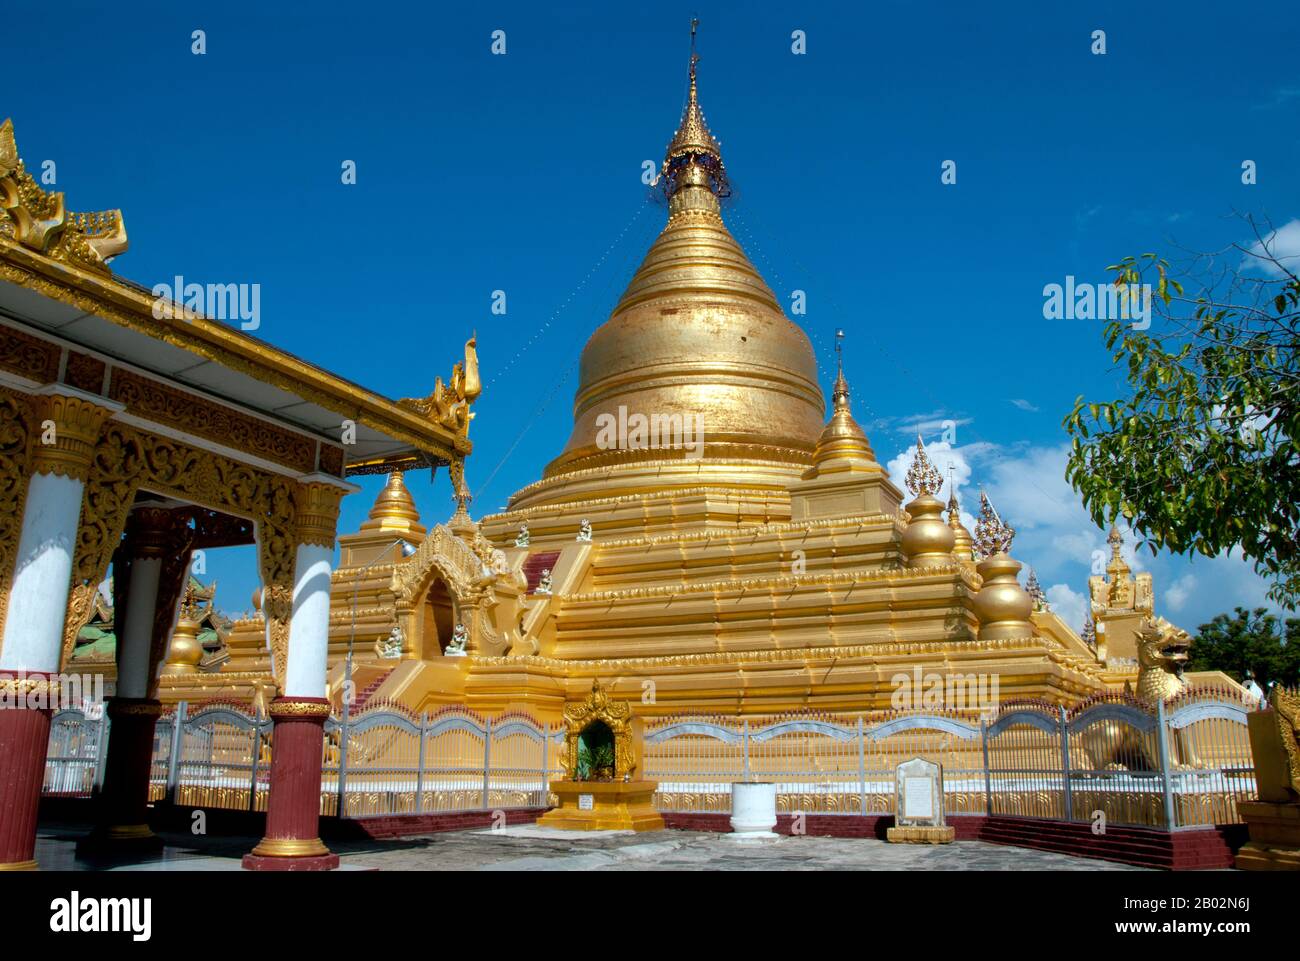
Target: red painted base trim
[
  {"x": 24, "y": 737},
  {"x": 407, "y": 825},
  {"x": 1192, "y": 850},
  {"x": 325, "y": 862}
]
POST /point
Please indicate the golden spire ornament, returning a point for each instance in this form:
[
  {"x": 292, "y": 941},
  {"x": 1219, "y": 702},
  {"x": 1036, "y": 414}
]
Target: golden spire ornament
[
  {"x": 1035, "y": 591},
  {"x": 1002, "y": 606},
  {"x": 991, "y": 535},
  {"x": 923, "y": 477},
  {"x": 928, "y": 541},
  {"x": 962, "y": 541},
  {"x": 694, "y": 156}
]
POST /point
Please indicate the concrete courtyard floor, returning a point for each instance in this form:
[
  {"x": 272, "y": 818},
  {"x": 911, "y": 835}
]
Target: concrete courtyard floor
[{"x": 530, "y": 848}]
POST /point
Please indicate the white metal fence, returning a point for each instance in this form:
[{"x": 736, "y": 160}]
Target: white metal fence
[{"x": 1185, "y": 763}]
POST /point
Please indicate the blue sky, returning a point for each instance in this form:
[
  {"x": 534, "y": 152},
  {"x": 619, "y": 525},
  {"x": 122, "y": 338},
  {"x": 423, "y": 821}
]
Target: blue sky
[{"x": 522, "y": 172}]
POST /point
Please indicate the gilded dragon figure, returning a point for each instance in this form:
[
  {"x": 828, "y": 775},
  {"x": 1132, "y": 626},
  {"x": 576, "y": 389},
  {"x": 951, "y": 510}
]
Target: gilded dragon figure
[{"x": 1114, "y": 745}]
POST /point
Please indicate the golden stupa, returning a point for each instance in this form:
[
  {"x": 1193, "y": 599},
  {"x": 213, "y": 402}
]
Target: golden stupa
[{"x": 708, "y": 539}]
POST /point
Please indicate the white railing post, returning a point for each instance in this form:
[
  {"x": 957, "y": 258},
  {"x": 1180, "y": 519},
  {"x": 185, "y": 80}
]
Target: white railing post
[
  {"x": 174, "y": 755},
  {"x": 744, "y": 740},
  {"x": 862, "y": 767},
  {"x": 546, "y": 763},
  {"x": 1165, "y": 777},
  {"x": 344, "y": 733},
  {"x": 1065, "y": 764},
  {"x": 487, "y": 762},
  {"x": 419, "y": 770},
  {"x": 988, "y": 776},
  {"x": 252, "y": 767},
  {"x": 101, "y": 753}
]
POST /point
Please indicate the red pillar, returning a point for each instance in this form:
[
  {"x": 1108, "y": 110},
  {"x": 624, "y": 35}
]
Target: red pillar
[
  {"x": 123, "y": 804},
  {"x": 24, "y": 739},
  {"x": 292, "y": 841}
]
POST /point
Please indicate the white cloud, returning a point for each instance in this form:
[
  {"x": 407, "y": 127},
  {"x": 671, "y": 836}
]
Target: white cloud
[
  {"x": 1024, "y": 405},
  {"x": 1069, "y": 605},
  {"x": 1177, "y": 593},
  {"x": 1284, "y": 246}
]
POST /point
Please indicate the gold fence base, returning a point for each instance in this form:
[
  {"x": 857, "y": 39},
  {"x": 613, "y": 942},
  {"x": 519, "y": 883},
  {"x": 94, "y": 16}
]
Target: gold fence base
[
  {"x": 921, "y": 834},
  {"x": 603, "y": 806}
]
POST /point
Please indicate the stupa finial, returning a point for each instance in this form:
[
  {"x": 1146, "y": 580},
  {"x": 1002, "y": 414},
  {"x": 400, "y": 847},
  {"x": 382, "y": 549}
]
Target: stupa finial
[
  {"x": 694, "y": 156},
  {"x": 923, "y": 477},
  {"x": 991, "y": 535},
  {"x": 840, "y": 391}
]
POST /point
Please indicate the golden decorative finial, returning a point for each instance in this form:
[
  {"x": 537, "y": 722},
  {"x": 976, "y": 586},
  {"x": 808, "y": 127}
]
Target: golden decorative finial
[
  {"x": 1035, "y": 591},
  {"x": 694, "y": 156},
  {"x": 1115, "y": 540},
  {"x": 922, "y": 476},
  {"x": 991, "y": 535},
  {"x": 962, "y": 541},
  {"x": 39, "y": 221},
  {"x": 840, "y": 392},
  {"x": 842, "y": 436},
  {"x": 1117, "y": 567}
]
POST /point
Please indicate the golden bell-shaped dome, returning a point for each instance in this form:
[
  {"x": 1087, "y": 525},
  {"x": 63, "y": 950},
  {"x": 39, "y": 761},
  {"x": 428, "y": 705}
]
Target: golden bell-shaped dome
[
  {"x": 962, "y": 540},
  {"x": 842, "y": 436},
  {"x": 394, "y": 508},
  {"x": 185, "y": 652},
  {"x": 697, "y": 339}
]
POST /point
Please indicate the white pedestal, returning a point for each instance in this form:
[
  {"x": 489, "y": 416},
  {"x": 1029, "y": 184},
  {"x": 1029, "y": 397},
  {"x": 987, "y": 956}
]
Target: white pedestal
[{"x": 753, "y": 811}]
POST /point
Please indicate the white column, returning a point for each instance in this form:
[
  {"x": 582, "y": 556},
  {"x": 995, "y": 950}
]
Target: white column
[
  {"x": 135, "y": 635},
  {"x": 38, "y": 595},
  {"x": 304, "y": 674}
]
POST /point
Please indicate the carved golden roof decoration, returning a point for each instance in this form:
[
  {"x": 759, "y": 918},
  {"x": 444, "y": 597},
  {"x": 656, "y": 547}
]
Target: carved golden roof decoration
[{"x": 38, "y": 219}]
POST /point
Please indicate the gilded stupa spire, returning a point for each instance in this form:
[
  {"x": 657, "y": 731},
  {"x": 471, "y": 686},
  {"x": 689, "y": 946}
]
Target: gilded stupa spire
[
  {"x": 394, "y": 509},
  {"x": 1117, "y": 568},
  {"x": 962, "y": 540},
  {"x": 842, "y": 435},
  {"x": 694, "y": 156},
  {"x": 840, "y": 392},
  {"x": 699, "y": 336}
]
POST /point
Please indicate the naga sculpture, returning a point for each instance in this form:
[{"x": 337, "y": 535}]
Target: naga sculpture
[{"x": 449, "y": 404}]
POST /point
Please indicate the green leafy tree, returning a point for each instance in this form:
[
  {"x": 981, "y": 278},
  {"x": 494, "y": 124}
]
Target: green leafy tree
[
  {"x": 1248, "y": 641},
  {"x": 1204, "y": 454}
]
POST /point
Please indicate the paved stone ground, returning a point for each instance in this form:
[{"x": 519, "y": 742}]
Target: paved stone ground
[
  {"x": 540, "y": 849},
  {"x": 530, "y": 848}
]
